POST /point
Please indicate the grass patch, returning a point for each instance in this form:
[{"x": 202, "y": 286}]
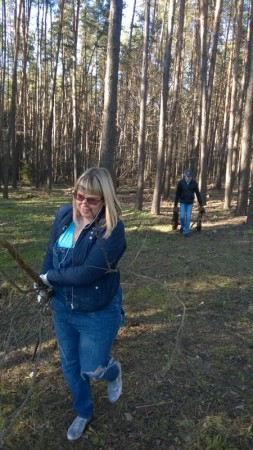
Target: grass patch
[{"x": 186, "y": 348}]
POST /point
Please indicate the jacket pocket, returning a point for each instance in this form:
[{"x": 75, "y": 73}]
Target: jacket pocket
[{"x": 96, "y": 295}]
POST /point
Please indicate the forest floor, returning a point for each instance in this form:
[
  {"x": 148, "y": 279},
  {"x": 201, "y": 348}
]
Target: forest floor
[{"x": 186, "y": 349}]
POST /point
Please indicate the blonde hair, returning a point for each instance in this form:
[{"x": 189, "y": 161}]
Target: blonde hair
[{"x": 98, "y": 181}]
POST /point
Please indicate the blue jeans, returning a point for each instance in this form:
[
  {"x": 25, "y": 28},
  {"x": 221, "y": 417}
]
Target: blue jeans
[
  {"x": 185, "y": 216},
  {"x": 85, "y": 341}
]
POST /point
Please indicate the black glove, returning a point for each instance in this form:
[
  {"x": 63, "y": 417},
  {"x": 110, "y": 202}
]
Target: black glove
[{"x": 201, "y": 209}]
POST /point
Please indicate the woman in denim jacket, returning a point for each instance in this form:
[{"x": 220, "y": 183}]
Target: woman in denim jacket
[{"x": 80, "y": 265}]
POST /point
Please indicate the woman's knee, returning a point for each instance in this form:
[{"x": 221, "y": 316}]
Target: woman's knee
[
  {"x": 96, "y": 374},
  {"x": 107, "y": 372}
]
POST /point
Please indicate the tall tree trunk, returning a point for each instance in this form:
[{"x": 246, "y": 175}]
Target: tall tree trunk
[
  {"x": 246, "y": 150},
  {"x": 233, "y": 106},
  {"x": 155, "y": 207},
  {"x": 216, "y": 27},
  {"x": 143, "y": 101},
  {"x": 203, "y": 7},
  {"x": 26, "y": 14},
  {"x": 3, "y": 147},
  {"x": 192, "y": 142},
  {"x": 11, "y": 144},
  {"x": 52, "y": 101},
  {"x": 39, "y": 107},
  {"x": 126, "y": 100},
  {"x": 108, "y": 141},
  {"x": 76, "y": 9},
  {"x": 224, "y": 81},
  {"x": 174, "y": 116},
  {"x": 213, "y": 102}
]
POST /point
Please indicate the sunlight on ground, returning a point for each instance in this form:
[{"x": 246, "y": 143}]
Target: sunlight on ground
[
  {"x": 165, "y": 228},
  {"x": 136, "y": 330}
]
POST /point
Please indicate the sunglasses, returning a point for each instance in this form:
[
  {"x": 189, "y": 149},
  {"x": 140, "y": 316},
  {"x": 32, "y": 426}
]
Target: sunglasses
[{"x": 90, "y": 200}]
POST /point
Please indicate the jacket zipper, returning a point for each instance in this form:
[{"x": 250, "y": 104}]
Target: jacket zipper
[{"x": 72, "y": 301}]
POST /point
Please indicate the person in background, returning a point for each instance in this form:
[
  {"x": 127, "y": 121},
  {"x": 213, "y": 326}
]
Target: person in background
[
  {"x": 186, "y": 188},
  {"x": 80, "y": 266}
]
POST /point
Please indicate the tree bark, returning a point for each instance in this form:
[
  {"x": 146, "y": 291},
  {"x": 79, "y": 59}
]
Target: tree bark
[
  {"x": 174, "y": 113},
  {"x": 76, "y": 9},
  {"x": 155, "y": 207},
  {"x": 246, "y": 148},
  {"x": 233, "y": 106},
  {"x": 203, "y": 95},
  {"x": 11, "y": 136},
  {"x": 108, "y": 141},
  {"x": 52, "y": 101},
  {"x": 143, "y": 101},
  {"x": 2, "y": 90}
]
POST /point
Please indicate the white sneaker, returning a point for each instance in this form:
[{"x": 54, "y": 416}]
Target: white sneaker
[
  {"x": 77, "y": 428},
  {"x": 114, "y": 388}
]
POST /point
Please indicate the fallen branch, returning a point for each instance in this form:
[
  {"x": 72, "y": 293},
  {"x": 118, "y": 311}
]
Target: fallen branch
[{"x": 19, "y": 260}]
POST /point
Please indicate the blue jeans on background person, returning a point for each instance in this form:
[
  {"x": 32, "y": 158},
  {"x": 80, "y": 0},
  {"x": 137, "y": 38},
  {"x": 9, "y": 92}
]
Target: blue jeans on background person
[
  {"x": 85, "y": 341},
  {"x": 185, "y": 217}
]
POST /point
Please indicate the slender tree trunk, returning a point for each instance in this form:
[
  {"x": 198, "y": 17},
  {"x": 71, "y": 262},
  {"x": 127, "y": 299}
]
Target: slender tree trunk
[
  {"x": 124, "y": 134},
  {"x": 143, "y": 101},
  {"x": 246, "y": 151},
  {"x": 52, "y": 101},
  {"x": 76, "y": 9},
  {"x": 108, "y": 142},
  {"x": 224, "y": 81},
  {"x": 2, "y": 90},
  {"x": 26, "y": 14},
  {"x": 155, "y": 208},
  {"x": 213, "y": 102},
  {"x": 174, "y": 116},
  {"x": 216, "y": 27},
  {"x": 11, "y": 144},
  {"x": 233, "y": 106},
  {"x": 39, "y": 107},
  {"x": 192, "y": 143},
  {"x": 203, "y": 96}
]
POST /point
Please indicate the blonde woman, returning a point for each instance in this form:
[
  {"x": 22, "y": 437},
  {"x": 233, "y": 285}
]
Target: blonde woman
[{"x": 87, "y": 241}]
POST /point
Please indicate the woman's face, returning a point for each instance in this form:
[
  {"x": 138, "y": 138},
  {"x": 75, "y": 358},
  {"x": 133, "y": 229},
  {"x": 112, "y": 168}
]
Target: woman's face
[{"x": 88, "y": 204}]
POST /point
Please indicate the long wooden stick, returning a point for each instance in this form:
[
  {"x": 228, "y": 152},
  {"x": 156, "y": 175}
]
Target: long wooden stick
[{"x": 19, "y": 260}]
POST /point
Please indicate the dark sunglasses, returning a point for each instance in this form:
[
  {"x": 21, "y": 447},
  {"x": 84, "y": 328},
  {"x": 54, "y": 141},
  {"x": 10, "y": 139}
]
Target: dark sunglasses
[{"x": 90, "y": 200}]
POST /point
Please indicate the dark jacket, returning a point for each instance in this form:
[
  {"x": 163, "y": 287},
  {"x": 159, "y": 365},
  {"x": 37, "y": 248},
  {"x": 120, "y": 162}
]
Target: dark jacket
[
  {"x": 92, "y": 281},
  {"x": 185, "y": 192}
]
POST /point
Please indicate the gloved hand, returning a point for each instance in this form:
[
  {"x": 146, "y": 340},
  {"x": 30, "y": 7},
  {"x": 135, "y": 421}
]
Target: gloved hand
[
  {"x": 43, "y": 277},
  {"x": 43, "y": 293},
  {"x": 44, "y": 289},
  {"x": 175, "y": 209},
  {"x": 201, "y": 209}
]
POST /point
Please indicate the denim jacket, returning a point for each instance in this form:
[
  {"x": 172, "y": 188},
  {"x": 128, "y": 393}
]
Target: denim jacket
[{"x": 91, "y": 279}]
